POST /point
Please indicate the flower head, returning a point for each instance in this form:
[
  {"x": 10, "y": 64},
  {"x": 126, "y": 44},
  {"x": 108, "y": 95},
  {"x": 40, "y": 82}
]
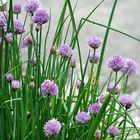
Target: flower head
[
  {"x": 83, "y": 117},
  {"x": 49, "y": 88},
  {"x": 53, "y": 50},
  {"x": 33, "y": 61},
  {"x": 113, "y": 131},
  {"x": 94, "y": 42},
  {"x": 94, "y": 57},
  {"x": 18, "y": 26},
  {"x": 126, "y": 100},
  {"x": 115, "y": 63},
  {"x": 17, "y": 8},
  {"x": 78, "y": 84},
  {"x": 9, "y": 37},
  {"x": 73, "y": 62},
  {"x": 94, "y": 108},
  {"x": 24, "y": 43},
  {"x": 32, "y": 85},
  {"x": 2, "y": 20},
  {"x": 129, "y": 67},
  {"x": 40, "y": 17},
  {"x": 28, "y": 114},
  {"x": 103, "y": 96},
  {"x": 111, "y": 86},
  {"x": 31, "y": 6},
  {"x": 65, "y": 51},
  {"x": 9, "y": 77},
  {"x": 15, "y": 85},
  {"x": 52, "y": 128}
]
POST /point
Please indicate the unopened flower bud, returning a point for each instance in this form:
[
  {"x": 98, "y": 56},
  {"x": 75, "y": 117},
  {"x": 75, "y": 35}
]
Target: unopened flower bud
[
  {"x": 98, "y": 135},
  {"x": 32, "y": 85},
  {"x": 37, "y": 28},
  {"x": 73, "y": 62},
  {"x": 30, "y": 40},
  {"x": 53, "y": 50},
  {"x": 28, "y": 114},
  {"x": 33, "y": 61}
]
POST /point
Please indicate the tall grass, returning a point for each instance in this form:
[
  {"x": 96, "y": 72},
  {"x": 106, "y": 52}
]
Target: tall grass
[{"x": 24, "y": 112}]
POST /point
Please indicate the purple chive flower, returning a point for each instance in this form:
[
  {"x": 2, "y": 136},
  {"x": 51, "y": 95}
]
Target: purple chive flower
[
  {"x": 33, "y": 61},
  {"x": 40, "y": 17},
  {"x": 113, "y": 131},
  {"x": 31, "y": 6},
  {"x": 115, "y": 63},
  {"x": 73, "y": 62},
  {"x": 65, "y": 51},
  {"x": 52, "y": 128},
  {"x": 15, "y": 85},
  {"x": 94, "y": 108},
  {"x": 111, "y": 86},
  {"x": 129, "y": 67},
  {"x": 126, "y": 100},
  {"x": 103, "y": 96},
  {"x": 49, "y": 88},
  {"x": 25, "y": 43},
  {"x": 9, "y": 37},
  {"x": 9, "y": 77},
  {"x": 94, "y": 42},
  {"x": 82, "y": 117},
  {"x": 18, "y": 26},
  {"x": 94, "y": 57},
  {"x": 78, "y": 83},
  {"x": 2, "y": 21},
  {"x": 17, "y": 8}
]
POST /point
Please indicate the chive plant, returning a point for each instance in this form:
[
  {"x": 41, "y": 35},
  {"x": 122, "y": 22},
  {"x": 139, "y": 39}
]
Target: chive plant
[{"x": 49, "y": 100}]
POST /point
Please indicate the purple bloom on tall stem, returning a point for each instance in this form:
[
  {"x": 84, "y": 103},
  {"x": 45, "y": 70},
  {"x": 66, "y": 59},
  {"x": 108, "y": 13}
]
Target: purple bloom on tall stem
[
  {"x": 15, "y": 84},
  {"x": 2, "y": 20},
  {"x": 78, "y": 83},
  {"x": 33, "y": 61},
  {"x": 9, "y": 77},
  {"x": 115, "y": 63},
  {"x": 126, "y": 100},
  {"x": 103, "y": 96},
  {"x": 116, "y": 89},
  {"x": 113, "y": 131},
  {"x": 9, "y": 37},
  {"x": 18, "y": 26},
  {"x": 65, "y": 51},
  {"x": 31, "y": 6},
  {"x": 73, "y": 62},
  {"x": 82, "y": 117},
  {"x": 129, "y": 67},
  {"x": 52, "y": 128},
  {"x": 94, "y": 108},
  {"x": 94, "y": 57},
  {"x": 17, "y": 8},
  {"x": 24, "y": 43},
  {"x": 94, "y": 42},
  {"x": 40, "y": 17},
  {"x": 49, "y": 88}
]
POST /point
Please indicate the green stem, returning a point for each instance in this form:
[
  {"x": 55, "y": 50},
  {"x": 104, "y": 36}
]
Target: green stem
[
  {"x": 104, "y": 44},
  {"x": 124, "y": 125}
]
